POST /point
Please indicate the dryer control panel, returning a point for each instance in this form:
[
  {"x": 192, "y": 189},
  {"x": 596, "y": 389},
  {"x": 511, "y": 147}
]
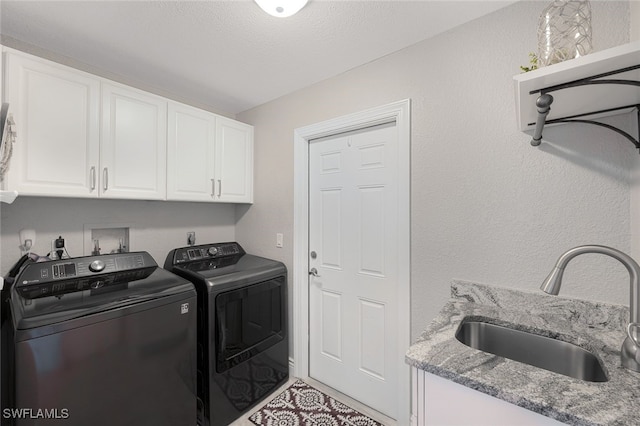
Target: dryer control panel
[{"x": 205, "y": 251}]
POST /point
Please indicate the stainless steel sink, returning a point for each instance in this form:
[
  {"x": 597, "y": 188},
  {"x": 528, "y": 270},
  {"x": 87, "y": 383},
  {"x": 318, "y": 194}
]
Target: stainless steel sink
[{"x": 539, "y": 351}]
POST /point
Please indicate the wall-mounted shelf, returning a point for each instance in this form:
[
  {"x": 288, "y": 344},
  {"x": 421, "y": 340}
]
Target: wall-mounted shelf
[{"x": 581, "y": 90}]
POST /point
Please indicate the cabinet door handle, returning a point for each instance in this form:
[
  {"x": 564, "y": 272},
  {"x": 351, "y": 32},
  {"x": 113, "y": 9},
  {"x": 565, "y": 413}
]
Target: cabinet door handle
[
  {"x": 93, "y": 178},
  {"x": 105, "y": 178},
  {"x": 213, "y": 188},
  {"x": 219, "y": 188}
]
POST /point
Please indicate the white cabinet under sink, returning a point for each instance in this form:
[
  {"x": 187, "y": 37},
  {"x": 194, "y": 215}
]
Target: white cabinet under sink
[
  {"x": 441, "y": 402},
  {"x": 80, "y": 135},
  {"x": 56, "y": 110},
  {"x": 133, "y": 149}
]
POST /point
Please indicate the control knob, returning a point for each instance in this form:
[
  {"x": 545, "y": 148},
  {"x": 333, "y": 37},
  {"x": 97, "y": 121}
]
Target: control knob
[
  {"x": 96, "y": 284},
  {"x": 212, "y": 251},
  {"x": 96, "y": 266}
]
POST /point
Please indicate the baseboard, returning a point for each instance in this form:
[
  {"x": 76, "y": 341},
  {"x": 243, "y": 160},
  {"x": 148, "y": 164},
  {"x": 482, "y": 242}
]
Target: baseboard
[{"x": 291, "y": 367}]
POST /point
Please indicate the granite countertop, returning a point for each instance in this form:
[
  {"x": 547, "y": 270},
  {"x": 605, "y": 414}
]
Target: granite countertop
[{"x": 597, "y": 327}]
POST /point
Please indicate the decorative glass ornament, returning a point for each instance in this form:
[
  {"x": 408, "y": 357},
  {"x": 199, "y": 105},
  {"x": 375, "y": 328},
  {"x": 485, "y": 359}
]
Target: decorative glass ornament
[{"x": 564, "y": 31}]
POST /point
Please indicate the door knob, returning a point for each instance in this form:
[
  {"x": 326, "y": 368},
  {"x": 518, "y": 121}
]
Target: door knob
[{"x": 314, "y": 272}]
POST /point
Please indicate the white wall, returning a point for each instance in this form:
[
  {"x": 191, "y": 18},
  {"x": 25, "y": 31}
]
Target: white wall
[
  {"x": 635, "y": 19},
  {"x": 486, "y": 206},
  {"x": 157, "y": 226},
  {"x": 635, "y": 175}
]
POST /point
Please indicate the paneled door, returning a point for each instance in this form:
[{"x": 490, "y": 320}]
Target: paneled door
[{"x": 353, "y": 294}]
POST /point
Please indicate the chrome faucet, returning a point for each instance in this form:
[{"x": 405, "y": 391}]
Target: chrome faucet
[{"x": 630, "y": 353}]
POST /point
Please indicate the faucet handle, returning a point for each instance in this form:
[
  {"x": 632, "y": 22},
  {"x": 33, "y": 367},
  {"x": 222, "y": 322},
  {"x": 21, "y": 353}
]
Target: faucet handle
[{"x": 630, "y": 326}]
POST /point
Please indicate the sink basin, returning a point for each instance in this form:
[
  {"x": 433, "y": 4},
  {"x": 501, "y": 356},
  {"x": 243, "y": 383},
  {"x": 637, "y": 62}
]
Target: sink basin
[{"x": 539, "y": 351}]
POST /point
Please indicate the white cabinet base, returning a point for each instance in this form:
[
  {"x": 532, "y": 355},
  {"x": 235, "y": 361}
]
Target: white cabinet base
[{"x": 438, "y": 401}]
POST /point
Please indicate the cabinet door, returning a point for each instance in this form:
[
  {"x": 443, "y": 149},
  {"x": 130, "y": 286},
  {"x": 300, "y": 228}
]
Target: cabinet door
[
  {"x": 234, "y": 161},
  {"x": 431, "y": 405},
  {"x": 56, "y": 110},
  {"x": 133, "y": 149},
  {"x": 190, "y": 154}
]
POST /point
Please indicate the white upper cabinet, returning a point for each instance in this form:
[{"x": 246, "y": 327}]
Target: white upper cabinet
[
  {"x": 56, "y": 110},
  {"x": 234, "y": 161},
  {"x": 133, "y": 150},
  {"x": 210, "y": 158},
  {"x": 79, "y": 135},
  {"x": 190, "y": 154}
]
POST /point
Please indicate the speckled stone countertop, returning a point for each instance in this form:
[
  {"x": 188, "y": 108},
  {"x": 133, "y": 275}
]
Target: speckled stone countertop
[{"x": 597, "y": 327}]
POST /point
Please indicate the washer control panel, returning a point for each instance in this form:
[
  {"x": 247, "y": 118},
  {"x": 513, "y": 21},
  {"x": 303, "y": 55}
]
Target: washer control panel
[{"x": 82, "y": 267}]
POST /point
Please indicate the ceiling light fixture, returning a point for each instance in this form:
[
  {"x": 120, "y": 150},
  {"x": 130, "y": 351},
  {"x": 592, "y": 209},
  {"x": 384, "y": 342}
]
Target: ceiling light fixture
[{"x": 281, "y": 8}]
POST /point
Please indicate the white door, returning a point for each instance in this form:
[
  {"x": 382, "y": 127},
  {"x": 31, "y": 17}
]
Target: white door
[
  {"x": 190, "y": 154},
  {"x": 353, "y": 300},
  {"x": 133, "y": 150},
  {"x": 56, "y": 112},
  {"x": 234, "y": 161}
]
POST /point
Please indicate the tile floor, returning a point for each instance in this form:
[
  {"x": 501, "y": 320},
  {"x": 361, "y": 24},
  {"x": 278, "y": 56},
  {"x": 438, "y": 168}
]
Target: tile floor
[{"x": 379, "y": 417}]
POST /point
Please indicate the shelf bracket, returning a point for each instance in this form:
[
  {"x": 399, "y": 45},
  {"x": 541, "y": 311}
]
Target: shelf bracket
[
  {"x": 544, "y": 101},
  {"x": 544, "y": 106},
  {"x": 543, "y": 110}
]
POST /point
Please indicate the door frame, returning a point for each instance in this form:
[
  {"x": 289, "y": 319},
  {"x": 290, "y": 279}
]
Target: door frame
[{"x": 400, "y": 113}]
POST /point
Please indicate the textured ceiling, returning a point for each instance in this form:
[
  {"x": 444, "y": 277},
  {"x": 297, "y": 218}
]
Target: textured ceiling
[{"x": 229, "y": 55}]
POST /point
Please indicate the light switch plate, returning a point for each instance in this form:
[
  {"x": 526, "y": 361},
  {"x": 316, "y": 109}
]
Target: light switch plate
[{"x": 279, "y": 240}]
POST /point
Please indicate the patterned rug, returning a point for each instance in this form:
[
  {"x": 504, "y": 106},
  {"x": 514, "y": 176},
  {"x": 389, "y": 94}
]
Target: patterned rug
[{"x": 302, "y": 405}]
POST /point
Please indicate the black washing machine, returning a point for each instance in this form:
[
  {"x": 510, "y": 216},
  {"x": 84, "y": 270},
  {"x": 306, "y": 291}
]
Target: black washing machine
[
  {"x": 242, "y": 327},
  {"x": 100, "y": 340}
]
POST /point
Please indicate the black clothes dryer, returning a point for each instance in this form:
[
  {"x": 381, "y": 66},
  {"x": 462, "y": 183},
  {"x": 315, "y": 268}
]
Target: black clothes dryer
[
  {"x": 100, "y": 340},
  {"x": 242, "y": 327}
]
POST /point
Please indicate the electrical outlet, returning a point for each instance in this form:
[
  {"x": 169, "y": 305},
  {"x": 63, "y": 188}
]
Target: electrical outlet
[
  {"x": 279, "y": 240},
  {"x": 27, "y": 240}
]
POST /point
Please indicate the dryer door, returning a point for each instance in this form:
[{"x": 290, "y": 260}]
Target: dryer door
[{"x": 249, "y": 320}]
